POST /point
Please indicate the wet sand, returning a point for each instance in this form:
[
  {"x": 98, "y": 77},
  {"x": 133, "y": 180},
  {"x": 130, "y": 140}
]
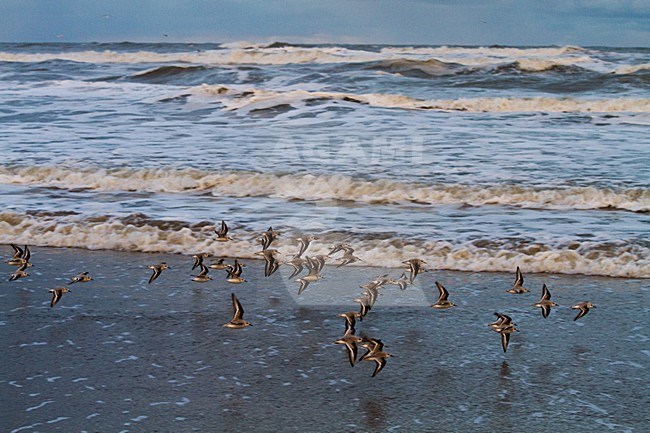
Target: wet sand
[{"x": 117, "y": 354}]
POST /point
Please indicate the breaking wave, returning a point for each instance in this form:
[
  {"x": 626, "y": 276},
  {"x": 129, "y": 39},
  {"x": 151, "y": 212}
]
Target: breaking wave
[
  {"x": 139, "y": 233},
  {"x": 248, "y": 99},
  {"x": 324, "y": 187},
  {"x": 525, "y": 59}
]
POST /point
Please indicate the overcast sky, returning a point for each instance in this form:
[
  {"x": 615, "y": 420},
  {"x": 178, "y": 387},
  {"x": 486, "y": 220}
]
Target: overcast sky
[{"x": 438, "y": 22}]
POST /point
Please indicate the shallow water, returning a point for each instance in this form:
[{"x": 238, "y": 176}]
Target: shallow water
[{"x": 117, "y": 354}]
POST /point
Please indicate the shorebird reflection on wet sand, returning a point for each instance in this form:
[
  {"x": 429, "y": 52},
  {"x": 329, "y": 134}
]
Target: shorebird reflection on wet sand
[
  {"x": 157, "y": 269},
  {"x": 545, "y": 302},
  {"x": 237, "y": 321},
  {"x": 584, "y": 307},
  {"x": 415, "y": 267},
  {"x": 442, "y": 301},
  {"x": 350, "y": 340},
  {"x": 222, "y": 233},
  {"x": 56, "y": 295},
  {"x": 81, "y": 278},
  {"x": 518, "y": 287},
  {"x": 271, "y": 264}
]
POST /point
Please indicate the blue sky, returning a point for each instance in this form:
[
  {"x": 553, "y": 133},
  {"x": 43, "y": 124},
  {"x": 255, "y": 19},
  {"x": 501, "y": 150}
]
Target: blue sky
[{"x": 468, "y": 22}]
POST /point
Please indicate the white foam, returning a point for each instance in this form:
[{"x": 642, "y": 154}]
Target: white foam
[
  {"x": 324, "y": 187},
  {"x": 591, "y": 258},
  {"x": 262, "y": 54},
  {"x": 245, "y": 99}
]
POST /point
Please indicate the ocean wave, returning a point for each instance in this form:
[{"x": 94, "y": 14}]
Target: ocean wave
[
  {"x": 324, "y": 187},
  {"x": 246, "y": 99},
  {"x": 139, "y": 233},
  {"x": 165, "y": 72},
  {"x": 527, "y": 59}
]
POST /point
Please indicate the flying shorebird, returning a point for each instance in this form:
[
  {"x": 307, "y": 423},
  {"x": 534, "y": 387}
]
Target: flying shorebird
[
  {"x": 20, "y": 257},
  {"x": 336, "y": 248},
  {"x": 202, "y": 276},
  {"x": 267, "y": 238},
  {"x": 316, "y": 262},
  {"x": 198, "y": 259},
  {"x": 234, "y": 273},
  {"x": 502, "y": 321},
  {"x": 350, "y": 340},
  {"x": 401, "y": 282},
  {"x": 442, "y": 301},
  {"x": 218, "y": 264},
  {"x": 379, "y": 358},
  {"x": 364, "y": 306},
  {"x": 157, "y": 269},
  {"x": 56, "y": 295},
  {"x": 296, "y": 263},
  {"x": 314, "y": 265},
  {"x": 545, "y": 302},
  {"x": 271, "y": 264},
  {"x": 584, "y": 307},
  {"x": 81, "y": 278},
  {"x": 304, "y": 241},
  {"x": 237, "y": 321},
  {"x": 20, "y": 272},
  {"x": 372, "y": 346},
  {"x": 350, "y": 321},
  {"x": 505, "y": 335},
  {"x": 415, "y": 267},
  {"x": 519, "y": 283},
  {"x": 222, "y": 233},
  {"x": 348, "y": 257}
]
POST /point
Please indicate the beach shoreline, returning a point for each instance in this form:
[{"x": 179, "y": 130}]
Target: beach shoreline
[{"x": 160, "y": 355}]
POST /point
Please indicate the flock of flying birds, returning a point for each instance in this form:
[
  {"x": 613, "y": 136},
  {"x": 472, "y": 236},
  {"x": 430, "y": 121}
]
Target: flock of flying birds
[{"x": 314, "y": 265}]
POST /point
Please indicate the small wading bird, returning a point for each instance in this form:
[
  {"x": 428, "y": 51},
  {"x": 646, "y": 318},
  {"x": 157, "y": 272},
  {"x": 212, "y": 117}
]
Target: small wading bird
[
  {"x": 234, "y": 273},
  {"x": 19, "y": 273},
  {"x": 415, "y": 267},
  {"x": 157, "y": 269},
  {"x": 237, "y": 321},
  {"x": 503, "y": 326},
  {"x": 442, "y": 301},
  {"x": 222, "y": 233},
  {"x": 545, "y": 302},
  {"x": 20, "y": 257},
  {"x": 198, "y": 259},
  {"x": 267, "y": 238},
  {"x": 271, "y": 264},
  {"x": 584, "y": 307},
  {"x": 202, "y": 276},
  {"x": 518, "y": 287},
  {"x": 56, "y": 295},
  {"x": 350, "y": 341},
  {"x": 81, "y": 278}
]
